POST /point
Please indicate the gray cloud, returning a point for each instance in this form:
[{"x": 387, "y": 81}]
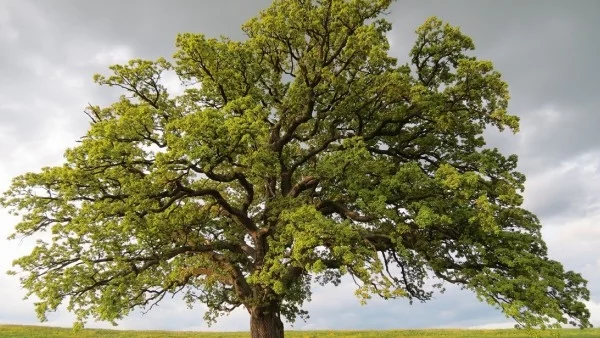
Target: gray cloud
[
  {"x": 150, "y": 26},
  {"x": 336, "y": 308},
  {"x": 545, "y": 51}
]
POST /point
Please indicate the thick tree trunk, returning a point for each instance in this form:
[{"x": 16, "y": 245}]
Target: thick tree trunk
[{"x": 265, "y": 324}]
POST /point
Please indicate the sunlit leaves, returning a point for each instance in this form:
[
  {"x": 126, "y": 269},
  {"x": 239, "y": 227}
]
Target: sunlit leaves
[{"x": 302, "y": 151}]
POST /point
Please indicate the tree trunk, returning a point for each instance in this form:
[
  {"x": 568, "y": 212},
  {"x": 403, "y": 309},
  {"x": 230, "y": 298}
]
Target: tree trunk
[{"x": 265, "y": 324}]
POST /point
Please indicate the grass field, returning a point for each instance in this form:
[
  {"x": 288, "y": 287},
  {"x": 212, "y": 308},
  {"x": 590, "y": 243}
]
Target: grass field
[{"x": 18, "y": 331}]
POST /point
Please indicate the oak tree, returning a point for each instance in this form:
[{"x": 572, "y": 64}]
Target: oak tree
[{"x": 298, "y": 155}]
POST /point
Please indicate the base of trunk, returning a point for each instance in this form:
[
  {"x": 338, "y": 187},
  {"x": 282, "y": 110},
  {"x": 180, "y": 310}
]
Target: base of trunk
[{"x": 265, "y": 324}]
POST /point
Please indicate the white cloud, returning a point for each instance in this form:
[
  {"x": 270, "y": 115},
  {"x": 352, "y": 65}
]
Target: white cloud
[
  {"x": 113, "y": 55},
  {"x": 172, "y": 82},
  {"x": 567, "y": 189},
  {"x": 594, "y": 308}
]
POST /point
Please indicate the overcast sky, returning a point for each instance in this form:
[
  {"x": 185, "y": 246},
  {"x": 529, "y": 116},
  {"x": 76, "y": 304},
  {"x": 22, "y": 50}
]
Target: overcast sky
[{"x": 546, "y": 50}]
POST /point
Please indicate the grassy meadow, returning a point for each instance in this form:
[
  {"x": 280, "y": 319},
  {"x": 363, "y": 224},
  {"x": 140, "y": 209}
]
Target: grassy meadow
[{"x": 19, "y": 331}]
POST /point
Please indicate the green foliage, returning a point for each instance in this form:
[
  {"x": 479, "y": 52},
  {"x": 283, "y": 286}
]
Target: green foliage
[{"x": 302, "y": 153}]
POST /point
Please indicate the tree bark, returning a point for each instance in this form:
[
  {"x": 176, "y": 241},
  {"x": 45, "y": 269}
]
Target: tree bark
[{"x": 265, "y": 324}]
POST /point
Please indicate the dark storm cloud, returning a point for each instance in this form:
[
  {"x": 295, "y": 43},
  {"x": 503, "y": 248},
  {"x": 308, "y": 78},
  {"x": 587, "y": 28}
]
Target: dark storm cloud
[{"x": 546, "y": 51}]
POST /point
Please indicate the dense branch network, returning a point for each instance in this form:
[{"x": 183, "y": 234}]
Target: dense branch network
[{"x": 303, "y": 151}]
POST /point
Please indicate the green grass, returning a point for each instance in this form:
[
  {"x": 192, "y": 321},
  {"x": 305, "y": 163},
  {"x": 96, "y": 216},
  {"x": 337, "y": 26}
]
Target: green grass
[{"x": 20, "y": 331}]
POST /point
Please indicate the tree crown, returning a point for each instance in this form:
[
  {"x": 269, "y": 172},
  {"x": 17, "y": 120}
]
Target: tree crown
[{"x": 303, "y": 153}]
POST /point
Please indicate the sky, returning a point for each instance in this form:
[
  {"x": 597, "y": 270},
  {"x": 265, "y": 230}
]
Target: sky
[{"x": 547, "y": 52}]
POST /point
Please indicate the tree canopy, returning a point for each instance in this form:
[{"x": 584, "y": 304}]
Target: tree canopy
[{"x": 301, "y": 154}]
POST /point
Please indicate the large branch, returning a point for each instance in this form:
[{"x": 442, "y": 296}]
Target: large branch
[
  {"x": 223, "y": 178},
  {"x": 239, "y": 214},
  {"x": 306, "y": 183},
  {"x": 288, "y": 135},
  {"x": 328, "y": 207}
]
